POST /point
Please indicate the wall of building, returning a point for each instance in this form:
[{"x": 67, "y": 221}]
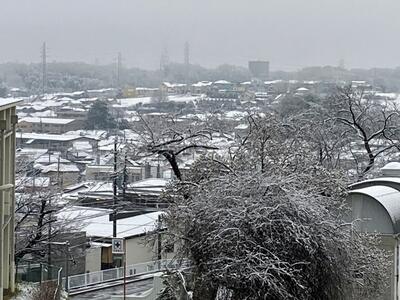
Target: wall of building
[
  {"x": 93, "y": 259},
  {"x": 137, "y": 251},
  {"x": 7, "y": 181}
]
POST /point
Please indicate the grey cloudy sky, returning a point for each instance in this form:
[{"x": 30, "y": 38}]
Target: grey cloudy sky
[{"x": 289, "y": 33}]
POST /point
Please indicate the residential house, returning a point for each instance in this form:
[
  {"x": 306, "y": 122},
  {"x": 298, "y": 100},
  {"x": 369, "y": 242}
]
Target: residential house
[
  {"x": 133, "y": 227},
  {"x": 52, "y": 142},
  {"x": 47, "y": 125},
  {"x": 61, "y": 174}
]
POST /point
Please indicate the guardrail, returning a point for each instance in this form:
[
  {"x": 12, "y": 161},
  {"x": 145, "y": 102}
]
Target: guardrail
[{"x": 92, "y": 278}]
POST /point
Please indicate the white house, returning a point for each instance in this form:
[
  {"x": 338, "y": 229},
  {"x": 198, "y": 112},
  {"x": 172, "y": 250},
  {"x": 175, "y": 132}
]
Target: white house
[{"x": 98, "y": 225}]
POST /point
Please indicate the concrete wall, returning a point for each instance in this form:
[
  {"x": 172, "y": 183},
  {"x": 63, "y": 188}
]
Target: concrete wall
[
  {"x": 7, "y": 199},
  {"x": 93, "y": 259},
  {"x": 137, "y": 252}
]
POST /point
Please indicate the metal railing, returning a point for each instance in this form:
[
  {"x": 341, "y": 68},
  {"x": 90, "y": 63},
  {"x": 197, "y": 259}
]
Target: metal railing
[{"x": 92, "y": 278}]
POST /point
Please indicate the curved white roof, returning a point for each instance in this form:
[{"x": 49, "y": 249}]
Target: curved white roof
[
  {"x": 388, "y": 197},
  {"x": 375, "y": 180}
]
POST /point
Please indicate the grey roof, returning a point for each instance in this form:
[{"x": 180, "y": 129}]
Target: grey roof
[{"x": 388, "y": 197}]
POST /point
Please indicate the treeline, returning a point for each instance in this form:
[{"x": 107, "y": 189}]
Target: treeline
[{"x": 72, "y": 76}]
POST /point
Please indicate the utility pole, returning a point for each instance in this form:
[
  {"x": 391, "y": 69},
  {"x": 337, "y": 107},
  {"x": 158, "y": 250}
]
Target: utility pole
[
  {"x": 44, "y": 68},
  {"x": 124, "y": 179},
  {"x": 115, "y": 191},
  {"x": 164, "y": 61},
  {"x": 58, "y": 172},
  {"x": 66, "y": 266},
  {"x": 49, "y": 244},
  {"x": 159, "y": 242}
]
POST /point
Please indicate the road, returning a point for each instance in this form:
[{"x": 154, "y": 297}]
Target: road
[{"x": 106, "y": 293}]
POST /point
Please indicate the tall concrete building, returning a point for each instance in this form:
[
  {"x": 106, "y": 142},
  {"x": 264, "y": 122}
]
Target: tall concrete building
[
  {"x": 8, "y": 121},
  {"x": 259, "y": 69}
]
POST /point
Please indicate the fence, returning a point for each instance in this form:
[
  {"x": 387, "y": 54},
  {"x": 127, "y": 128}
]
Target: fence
[
  {"x": 92, "y": 278},
  {"x": 35, "y": 272}
]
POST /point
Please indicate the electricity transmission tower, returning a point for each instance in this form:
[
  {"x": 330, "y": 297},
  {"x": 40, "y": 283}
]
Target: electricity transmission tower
[
  {"x": 119, "y": 69},
  {"x": 44, "y": 68},
  {"x": 187, "y": 61}
]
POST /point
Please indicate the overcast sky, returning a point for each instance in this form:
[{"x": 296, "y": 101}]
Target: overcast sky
[{"x": 289, "y": 33}]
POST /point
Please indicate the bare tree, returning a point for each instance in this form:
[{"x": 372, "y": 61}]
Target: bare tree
[
  {"x": 169, "y": 138},
  {"x": 373, "y": 124}
]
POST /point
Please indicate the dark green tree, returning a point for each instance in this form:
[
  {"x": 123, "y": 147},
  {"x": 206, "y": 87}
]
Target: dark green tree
[
  {"x": 3, "y": 91},
  {"x": 99, "y": 117}
]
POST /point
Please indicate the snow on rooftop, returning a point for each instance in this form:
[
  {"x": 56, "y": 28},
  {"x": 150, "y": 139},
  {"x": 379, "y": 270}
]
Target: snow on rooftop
[
  {"x": 392, "y": 166},
  {"x": 235, "y": 114},
  {"x": 38, "y": 114},
  {"x": 242, "y": 126},
  {"x": 126, "y": 102},
  {"x": 96, "y": 222},
  {"x": 5, "y": 102},
  {"x": 52, "y": 158},
  {"x": 183, "y": 98},
  {"x": 202, "y": 84},
  {"x": 51, "y": 137},
  {"x": 149, "y": 182},
  {"x": 58, "y": 121},
  {"x": 59, "y": 168},
  {"x": 222, "y": 82},
  {"x": 273, "y": 81}
]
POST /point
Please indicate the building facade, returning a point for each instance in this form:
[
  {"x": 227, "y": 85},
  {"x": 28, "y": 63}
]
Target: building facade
[{"x": 8, "y": 121}]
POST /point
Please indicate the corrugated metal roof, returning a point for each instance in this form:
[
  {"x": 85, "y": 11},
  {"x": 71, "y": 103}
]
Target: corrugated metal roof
[{"x": 388, "y": 197}]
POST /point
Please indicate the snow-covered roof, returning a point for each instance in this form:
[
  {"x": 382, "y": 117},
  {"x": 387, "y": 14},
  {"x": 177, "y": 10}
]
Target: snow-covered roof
[
  {"x": 202, "y": 84},
  {"x": 222, "y": 82},
  {"x": 273, "y": 81},
  {"x": 183, "y": 98},
  {"x": 126, "y": 102},
  {"x": 149, "y": 182},
  {"x": 242, "y": 126},
  {"x": 235, "y": 114},
  {"x": 172, "y": 85},
  {"x": 52, "y": 158},
  {"x": 51, "y": 137},
  {"x": 147, "y": 89},
  {"x": 96, "y": 222},
  {"x": 59, "y": 167},
  {"x": 58, "y": 121},
  {"x": 9, "y": 102},
  {"x": 148, "y": 186},
  {"x": 302, "y": 89}
]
